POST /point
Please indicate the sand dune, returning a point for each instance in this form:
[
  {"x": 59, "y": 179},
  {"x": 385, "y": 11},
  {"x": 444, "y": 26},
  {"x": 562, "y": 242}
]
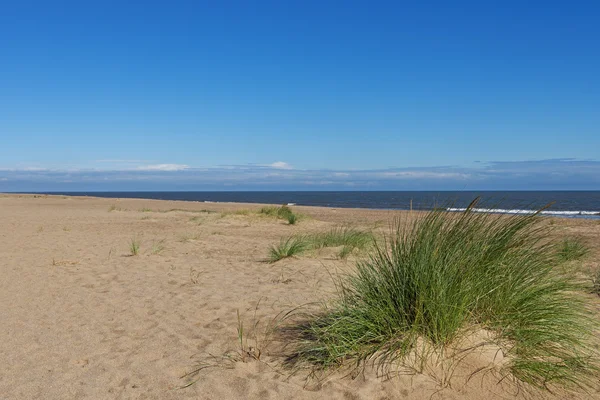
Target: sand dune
[{"x": 81, "y": 318}]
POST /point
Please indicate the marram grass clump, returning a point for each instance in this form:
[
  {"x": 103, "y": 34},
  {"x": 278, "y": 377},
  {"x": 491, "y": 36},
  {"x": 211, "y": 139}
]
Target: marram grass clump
[
  {"x": 282, "y": 212},
  {"x": 445, "y": 274}
]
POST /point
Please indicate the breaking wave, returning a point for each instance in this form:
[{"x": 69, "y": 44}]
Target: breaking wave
[{"x": 520, "y": 211}]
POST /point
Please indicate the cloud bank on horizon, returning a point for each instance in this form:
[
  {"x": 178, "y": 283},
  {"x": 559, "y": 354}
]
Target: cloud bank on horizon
[{"x": 551, "y": 174}]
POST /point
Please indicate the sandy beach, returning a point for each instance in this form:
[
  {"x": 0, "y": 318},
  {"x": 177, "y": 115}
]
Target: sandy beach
[{"x": 82, "y": 318}]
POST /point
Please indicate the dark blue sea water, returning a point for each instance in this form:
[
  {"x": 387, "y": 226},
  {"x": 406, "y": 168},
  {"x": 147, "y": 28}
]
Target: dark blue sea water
[{"x": 578, "y": 204}]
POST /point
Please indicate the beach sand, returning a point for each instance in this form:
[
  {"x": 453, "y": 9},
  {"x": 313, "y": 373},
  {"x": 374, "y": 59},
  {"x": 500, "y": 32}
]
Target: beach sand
[{"x": 82, "y": 319}]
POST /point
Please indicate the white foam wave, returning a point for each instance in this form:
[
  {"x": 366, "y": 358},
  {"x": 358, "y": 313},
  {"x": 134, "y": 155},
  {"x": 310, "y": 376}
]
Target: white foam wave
[{"x": 519, "y": 211}]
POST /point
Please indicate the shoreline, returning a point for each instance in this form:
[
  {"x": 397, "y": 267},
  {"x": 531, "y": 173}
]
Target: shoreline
[{"x": 562, "y": 214}]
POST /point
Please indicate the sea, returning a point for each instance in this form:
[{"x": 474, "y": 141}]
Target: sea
[{"x": 570, "y": 204}]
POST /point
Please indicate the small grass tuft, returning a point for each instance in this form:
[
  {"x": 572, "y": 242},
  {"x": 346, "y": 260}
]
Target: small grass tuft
[
  {"x": 292, "y": 219},
  {"x": 572, "y": 249},
  {"x": 189, "y": 237},
  {"x": 343, "y": 236},
  {"x": 289, "y": 247},
  {"x": 271, "y": 211},
  {"x": 158, "y": 246},
  {"x": 282, "y": 212},
  {"x": 242, "y": 211},
  {"x": 134, "y": 247},
  {"x": 596, "y": 282}
]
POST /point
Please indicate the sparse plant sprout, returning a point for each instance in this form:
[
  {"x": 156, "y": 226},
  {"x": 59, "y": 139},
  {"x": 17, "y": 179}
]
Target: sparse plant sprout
[
  {"x": 204, "y": 211},
  {"x": 189, "y": 237},
  {"x": 245, "y": 350},
  {"x": 572, "y": 249},
  {"x": 251, "y": 344},
  {"x": 158, "y": 246},
  {"x": 145, "y": 217},
  {"x": 145, "y": 210},
  {"x": 596, "y": 281},
  {"x": 241, "y": 212},
  {"x": 113, "y": 207},
  {"x": 134, "y": 247},
  {"x": 345, "y": 252},
  {"x": 56, "y": 263}
]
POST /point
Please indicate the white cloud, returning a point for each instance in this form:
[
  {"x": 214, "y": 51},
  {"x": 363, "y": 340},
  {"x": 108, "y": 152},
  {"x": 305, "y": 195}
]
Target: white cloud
[
  {"x": 121, "y": 161},
  {"x": 424, "y": 175},
  {"x": 27, "y": 169},
  {"x": 3, "y": 179},
  {"x": 164, "y": 167},
  {"x": 280, "y": 165}
]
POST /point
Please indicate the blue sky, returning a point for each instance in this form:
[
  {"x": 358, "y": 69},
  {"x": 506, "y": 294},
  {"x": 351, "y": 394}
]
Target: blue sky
[{"x": 191, "y": 95}]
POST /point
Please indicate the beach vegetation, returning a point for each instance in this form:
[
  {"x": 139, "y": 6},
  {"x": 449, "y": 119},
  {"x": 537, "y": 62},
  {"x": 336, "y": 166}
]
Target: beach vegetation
[
  {"x": 288, "y": 247},
  {"x": 242, "y": 211},
  {"x": 437, "y": 279},
  {"x": 572, "y": 249},
  {"x": 282, "y": 212},
  {"x": 345, "y": 252},
  {"x": 348, "y": 237},
  {"x": 596, "y": 281},
  {"x": 158, "y": 246},
  {"x": 292, "y": 218},
  {"x": 188, "y": 237},
  {"x": 134, "y": 247},
  {"x": 203, "y": 211}
]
